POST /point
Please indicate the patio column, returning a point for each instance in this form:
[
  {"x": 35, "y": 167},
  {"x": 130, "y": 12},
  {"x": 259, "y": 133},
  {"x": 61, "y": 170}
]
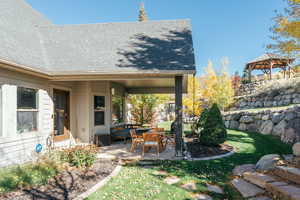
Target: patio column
[{"x": 178, "y": 114}]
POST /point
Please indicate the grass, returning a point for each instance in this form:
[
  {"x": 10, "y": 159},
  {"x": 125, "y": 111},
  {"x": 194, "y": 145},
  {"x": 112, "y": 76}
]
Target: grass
[
  {"x": 26, "y": 175},
  {"x": 135, "y": 182},
  {"x": 167, "y": 126}
]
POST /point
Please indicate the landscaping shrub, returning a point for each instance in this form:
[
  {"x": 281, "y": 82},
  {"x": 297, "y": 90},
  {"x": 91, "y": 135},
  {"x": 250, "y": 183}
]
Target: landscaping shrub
[
  {"x": 27, "y": 175},
  {"x": 80, "y": 156},
  {"x": 198, "y": 124},
  {"x": 214, "y": 131}
]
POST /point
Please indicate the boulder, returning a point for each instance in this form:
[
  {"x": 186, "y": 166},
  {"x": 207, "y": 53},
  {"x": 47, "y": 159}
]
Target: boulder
[
  {"x": 277, "y": 117},
  {"x": 296, "y": 149},
  {"x": 266, "y": 127},
  {"x": 246, "y": 119},
  {"x": 267, "y": 162},
  {"x": 265, "y": 117},
  {"x": 289, "y": 136},
  {"x": 289, "y": 116},
  {"x": 296, "y": 100},
  {"x": 227, "y": 124},
  {"x": 252, "y": 127},
  {"x": 234, "y": 125},
  {"x": 236, "y": 117},
  {"x": 279, "y": 129},
  {"x": 243, "y": 127}
]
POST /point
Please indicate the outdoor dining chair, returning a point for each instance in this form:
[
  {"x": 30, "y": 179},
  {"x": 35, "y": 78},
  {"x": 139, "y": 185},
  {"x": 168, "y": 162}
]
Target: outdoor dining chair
[
  {"x": 152, "y": 140},
  {"x": 135, "y": 139}
]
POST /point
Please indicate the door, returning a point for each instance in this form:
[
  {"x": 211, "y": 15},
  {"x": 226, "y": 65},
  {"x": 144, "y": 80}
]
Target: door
[{"x": 61, "y": 100}]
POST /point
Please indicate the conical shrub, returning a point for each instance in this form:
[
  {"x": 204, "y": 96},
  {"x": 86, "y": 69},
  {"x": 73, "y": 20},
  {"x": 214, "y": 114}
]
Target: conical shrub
[{"x": 214, "y": 131}]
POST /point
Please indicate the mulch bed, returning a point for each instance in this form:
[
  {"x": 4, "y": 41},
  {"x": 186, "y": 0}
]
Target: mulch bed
[
  {"x": 198, "y": 150},
  {"x": 67, "y": 185}
]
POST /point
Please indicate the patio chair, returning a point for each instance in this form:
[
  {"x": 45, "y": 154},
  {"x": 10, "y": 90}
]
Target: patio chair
[
  {"x": 151, "y": 140},
  {"x": 135, "y": 139}
]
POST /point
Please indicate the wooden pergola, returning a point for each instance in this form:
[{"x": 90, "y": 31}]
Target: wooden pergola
[{"x": 268, "y": 62}]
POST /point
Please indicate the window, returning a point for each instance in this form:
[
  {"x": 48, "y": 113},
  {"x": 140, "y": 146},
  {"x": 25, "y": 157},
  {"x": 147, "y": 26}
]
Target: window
[
  {"x": 117, "y": 109},
  {"x": 99, "y": 110},
  {"x": 27, "y": 110}
]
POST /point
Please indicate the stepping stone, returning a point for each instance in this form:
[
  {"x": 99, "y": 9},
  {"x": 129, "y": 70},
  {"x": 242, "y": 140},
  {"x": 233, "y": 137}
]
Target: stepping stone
[
  {"x": 245, "y": 188},
  {"x": 239, "y": 170},
  {"x": 202, "y": 197},
  {"x": 289, "y": 173},
  {"x": 160, "y": 173},
  {"x": 261, "y": 198},
  {"x": 171, "y": 180},
  {"x": 214, "y": 188},
  {"x": 258, "y": 178},
  {"x": 289, "y": 192},
  {"x": 189, "y": 186}
]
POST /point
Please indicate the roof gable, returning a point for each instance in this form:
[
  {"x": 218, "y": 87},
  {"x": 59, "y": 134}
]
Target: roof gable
[{"x": 31, "y": 40}]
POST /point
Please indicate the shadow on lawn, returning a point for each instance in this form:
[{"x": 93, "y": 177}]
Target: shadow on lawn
[{"x": 250, "y": 147}]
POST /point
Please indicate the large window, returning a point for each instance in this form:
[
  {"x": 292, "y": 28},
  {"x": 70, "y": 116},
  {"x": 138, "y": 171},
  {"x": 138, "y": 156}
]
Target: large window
[
  {"x": 117, "y": 109},
  {"x": 99, "y": 110},
  {"x": 27, "y": 110}
]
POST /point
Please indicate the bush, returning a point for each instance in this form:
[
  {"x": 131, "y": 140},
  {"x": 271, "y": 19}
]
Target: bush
[
  {"x": 80, "y": 156},
  {"x": 198, "y": 124},
  {"x": 214, "y": 131},
  {"x": 26, "y": 175}
]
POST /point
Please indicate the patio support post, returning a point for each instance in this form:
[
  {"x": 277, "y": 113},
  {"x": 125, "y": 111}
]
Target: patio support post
[{"x": 178, "y": 113}]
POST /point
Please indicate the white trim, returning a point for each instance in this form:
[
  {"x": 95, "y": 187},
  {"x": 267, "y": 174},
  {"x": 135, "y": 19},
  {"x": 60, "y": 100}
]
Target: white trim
[{"x": 1, "y": 108}]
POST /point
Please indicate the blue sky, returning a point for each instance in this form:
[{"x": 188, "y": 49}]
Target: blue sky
[{"x": 237, "y": 29}]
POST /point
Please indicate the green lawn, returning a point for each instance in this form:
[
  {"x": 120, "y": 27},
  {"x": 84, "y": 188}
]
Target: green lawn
[{"x": 135, "y": 182}]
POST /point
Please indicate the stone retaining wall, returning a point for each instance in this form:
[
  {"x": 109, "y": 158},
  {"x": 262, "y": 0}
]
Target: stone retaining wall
[
  {"x": 282, "y": 123},
  {"x": 274, "y": 94}
]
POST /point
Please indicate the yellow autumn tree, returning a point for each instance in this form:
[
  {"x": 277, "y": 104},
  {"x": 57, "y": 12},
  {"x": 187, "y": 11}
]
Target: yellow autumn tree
[
  {"x": 286, "y": 30},
  {"x": 217, "y": 87},
  {"x": 191, "y": 100}
]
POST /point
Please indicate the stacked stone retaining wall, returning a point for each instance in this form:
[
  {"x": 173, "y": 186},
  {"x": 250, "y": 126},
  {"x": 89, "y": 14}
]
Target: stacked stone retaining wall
[{"x": 282, "y": 123}]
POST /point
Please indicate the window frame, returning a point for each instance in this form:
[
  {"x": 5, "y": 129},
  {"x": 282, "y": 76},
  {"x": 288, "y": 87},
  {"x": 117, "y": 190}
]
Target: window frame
[
  {"x": 34, "y": 110},
  {"x": 101, "y": 109}
]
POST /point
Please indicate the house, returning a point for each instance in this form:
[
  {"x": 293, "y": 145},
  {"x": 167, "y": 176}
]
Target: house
[{"x": 59, "y": 80}]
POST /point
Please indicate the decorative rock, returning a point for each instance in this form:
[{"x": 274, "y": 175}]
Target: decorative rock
[
  {"x": 214, "y": 188},
  {"x": 234, "y": 125},
  {"x": 279, "y": 129},
  {"x": 160, "y": 173},
  {"x": 246, "y": 119},
  {"x": 276, "y": 118},
  {"x": 189, "y": 186},
  {"x": 289, "y": 136},
  {"x": 202, "y": 197},
  {"x": 296, "y": 149},
  {"x": 246, "y": 189},
  {"x": 241, "y": 169},
  {"x": 289, "y": 158},
  {"x": 289, "y": 116},
  {"x": 266, "y": 127},
  {"x": 265, "y": 117},
  {"x": 243, "y": 127},
  {"x": 171, "y": 180},
  {"x": 267, "y": 162}
]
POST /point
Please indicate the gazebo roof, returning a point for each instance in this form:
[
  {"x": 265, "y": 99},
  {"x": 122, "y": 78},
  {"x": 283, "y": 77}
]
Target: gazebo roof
[{"x": 264, "y": 61}]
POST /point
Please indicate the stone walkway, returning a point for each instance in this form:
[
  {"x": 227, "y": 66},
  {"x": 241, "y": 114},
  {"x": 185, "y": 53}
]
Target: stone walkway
[{"x": 120, "y": 151}]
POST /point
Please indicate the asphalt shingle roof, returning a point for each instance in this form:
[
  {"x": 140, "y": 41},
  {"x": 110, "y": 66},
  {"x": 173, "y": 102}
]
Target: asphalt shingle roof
[{"x": 30, "y": 39}]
